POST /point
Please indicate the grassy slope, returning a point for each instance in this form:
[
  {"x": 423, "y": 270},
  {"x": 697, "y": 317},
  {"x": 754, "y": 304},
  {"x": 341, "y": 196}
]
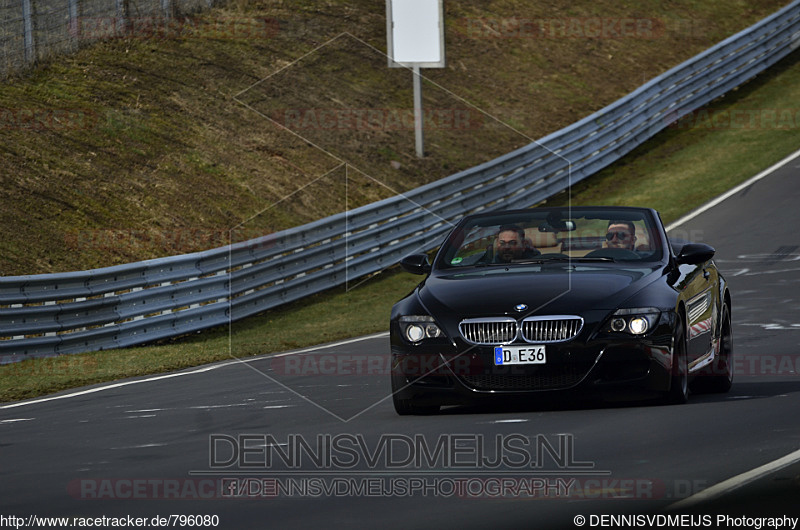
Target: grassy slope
[{"x": 165, "y": 161}]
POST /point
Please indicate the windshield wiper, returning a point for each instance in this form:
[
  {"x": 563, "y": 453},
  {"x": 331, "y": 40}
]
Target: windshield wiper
[
  {"x": 595, "y": 258},
  {"x": 542, "y": 261}
]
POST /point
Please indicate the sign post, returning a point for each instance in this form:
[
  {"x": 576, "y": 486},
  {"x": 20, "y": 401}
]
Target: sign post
[
  {"x": 415, "y": 35},
  {"x": 419, "y": 130}
]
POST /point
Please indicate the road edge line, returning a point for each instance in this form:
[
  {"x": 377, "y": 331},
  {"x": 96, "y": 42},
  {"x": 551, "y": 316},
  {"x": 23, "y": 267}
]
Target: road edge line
[
  {"x": 733, "y": 483},
  {"x": 193, "y": 371}
]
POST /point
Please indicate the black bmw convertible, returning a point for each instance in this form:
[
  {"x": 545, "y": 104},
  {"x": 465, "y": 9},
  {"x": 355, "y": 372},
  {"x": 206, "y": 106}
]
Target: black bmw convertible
[{"x": 594, "y": 301}]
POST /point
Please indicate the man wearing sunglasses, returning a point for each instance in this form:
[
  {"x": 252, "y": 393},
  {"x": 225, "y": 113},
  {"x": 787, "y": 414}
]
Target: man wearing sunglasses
[{"x": 621, "y": 234}]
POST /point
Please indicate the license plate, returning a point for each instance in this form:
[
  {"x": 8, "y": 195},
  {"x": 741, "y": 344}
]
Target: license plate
[{"x": 533, "y": 354}]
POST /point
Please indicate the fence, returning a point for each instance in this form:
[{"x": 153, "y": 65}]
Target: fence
[
  {"x": 131, "y": 304},
  {"x": 31, "y": 30}
]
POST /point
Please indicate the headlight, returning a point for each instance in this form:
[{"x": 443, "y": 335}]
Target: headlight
[
  {"x": 637, "y": 321},
  {"x": 418, "y": 327}
]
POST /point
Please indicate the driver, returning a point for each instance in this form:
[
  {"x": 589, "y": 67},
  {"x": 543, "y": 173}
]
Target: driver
[
  {"x": 511, "y": 244},
  {"x": 621, "y": 234}
]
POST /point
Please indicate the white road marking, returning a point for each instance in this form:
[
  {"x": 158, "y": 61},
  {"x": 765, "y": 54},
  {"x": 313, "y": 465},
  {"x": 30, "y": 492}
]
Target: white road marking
[
  {"x": 265, "y": 444},
  {"x": 220, "y": 406},
  {"x": 335, "y": 344},
  {"x": 143, "y": 446},
  {"x": 772, "y": 326},
  {"x": 766, "y": 272},
  {"x": 732, "y": 192},
  {"x": 733, "y": 483},
  {"x": 201, "y": 370},
  {"x": 15, "y": 420}
]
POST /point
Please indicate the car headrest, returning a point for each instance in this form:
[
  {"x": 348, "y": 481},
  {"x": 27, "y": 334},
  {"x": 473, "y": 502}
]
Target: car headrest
[
  {"x": 642, "y": 240},
  {"x": 541, "y": 239}
]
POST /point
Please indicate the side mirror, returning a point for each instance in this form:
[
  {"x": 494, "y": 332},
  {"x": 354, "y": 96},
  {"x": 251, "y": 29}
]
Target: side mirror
[
  {"x": 694, "y": 253},
  {"x": 416, "y": 264}
]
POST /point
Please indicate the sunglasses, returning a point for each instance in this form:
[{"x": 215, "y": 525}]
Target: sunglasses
[{"x": 620, "y": 235}]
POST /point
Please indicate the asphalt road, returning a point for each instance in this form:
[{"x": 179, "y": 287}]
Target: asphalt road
[{"x": 311, "y": 439}]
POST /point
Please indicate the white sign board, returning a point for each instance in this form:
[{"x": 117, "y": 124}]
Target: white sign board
[{"x": 415, "y": 33}]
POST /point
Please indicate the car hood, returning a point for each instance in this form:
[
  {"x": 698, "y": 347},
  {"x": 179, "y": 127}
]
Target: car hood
[{"x": 495, "y": 292}]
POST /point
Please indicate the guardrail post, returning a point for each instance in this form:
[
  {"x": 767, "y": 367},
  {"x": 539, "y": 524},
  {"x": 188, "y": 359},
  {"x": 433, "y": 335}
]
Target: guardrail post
[
  {"x": 122, "y": 17},
  {"x": 73, "y": 19},
  {"x": 419, "y": 131},
  {"x": 27, "y": 21}
]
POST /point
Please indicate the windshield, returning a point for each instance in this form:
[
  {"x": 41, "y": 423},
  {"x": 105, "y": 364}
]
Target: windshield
[{"x": 545, "y": 236}]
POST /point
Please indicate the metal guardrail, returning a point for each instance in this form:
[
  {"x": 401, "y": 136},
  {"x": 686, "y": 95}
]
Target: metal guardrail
[{"x": 125, "y": 305}]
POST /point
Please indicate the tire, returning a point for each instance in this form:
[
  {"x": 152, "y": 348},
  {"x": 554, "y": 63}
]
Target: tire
[
  {"x": 678, "y": 392},
  {"x": 718, "y": 378}
]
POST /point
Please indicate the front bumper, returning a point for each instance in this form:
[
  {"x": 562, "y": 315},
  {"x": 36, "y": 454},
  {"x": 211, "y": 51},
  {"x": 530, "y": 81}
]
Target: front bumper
[{"x": 453, "y": 372}]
